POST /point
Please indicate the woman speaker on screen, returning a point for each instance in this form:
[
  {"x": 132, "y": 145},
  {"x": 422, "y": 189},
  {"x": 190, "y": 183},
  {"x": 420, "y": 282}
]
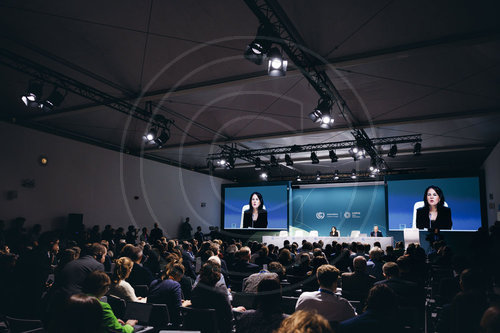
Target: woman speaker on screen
[
  {"x": 256, "y": 215},
  {"x": 434, "y": 215}
]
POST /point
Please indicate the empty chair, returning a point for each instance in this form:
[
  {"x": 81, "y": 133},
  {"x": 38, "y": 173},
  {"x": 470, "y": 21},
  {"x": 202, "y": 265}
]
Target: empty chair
[
  {"x": 313, "y": 233},
  {"x": 355, "y": 233},
  {"x": 18, "y": 325},
  {"x": 160, "y": 317},
  {"x": 299, "y": 233},
  {"x": 203, "y": 320},
  {"x": 139, "y": 311}
]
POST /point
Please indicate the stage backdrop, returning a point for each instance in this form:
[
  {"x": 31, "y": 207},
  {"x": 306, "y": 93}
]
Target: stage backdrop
[{"x": 351, "y": 207}]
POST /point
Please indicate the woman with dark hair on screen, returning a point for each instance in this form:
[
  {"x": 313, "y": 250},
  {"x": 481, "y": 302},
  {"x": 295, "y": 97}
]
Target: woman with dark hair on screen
[
  {"x": 256, "y": 215},
  {"x": 434, "y": 215},
  {"x": 334, "y": 232}
]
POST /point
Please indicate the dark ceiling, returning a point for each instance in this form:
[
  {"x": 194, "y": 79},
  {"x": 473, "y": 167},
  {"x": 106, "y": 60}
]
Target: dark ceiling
[{"x": 403, "y": 68}]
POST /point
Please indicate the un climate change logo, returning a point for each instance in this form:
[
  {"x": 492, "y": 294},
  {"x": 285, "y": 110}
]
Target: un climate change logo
[{"x": 320, "y": 215}]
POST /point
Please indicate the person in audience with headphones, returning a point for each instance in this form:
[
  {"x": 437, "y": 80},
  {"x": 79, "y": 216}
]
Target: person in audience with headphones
[{"x": 97, "y": 284}]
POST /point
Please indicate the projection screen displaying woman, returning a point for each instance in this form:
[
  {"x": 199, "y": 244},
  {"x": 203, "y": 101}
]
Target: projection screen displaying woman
[{"x": 256, "y": 215}]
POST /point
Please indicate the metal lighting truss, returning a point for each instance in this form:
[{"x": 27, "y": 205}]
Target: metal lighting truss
[
  {"x": 251, "y": 155},
  {"x": 283, "y": 32},
  {"x": 46, "y": 75}
]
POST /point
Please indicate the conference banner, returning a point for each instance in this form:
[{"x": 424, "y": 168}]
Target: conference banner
[{"x": 348, "y": 208}]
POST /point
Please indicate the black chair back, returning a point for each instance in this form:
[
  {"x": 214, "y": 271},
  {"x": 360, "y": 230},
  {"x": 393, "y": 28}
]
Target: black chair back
[
  {"x": 244, "y": 299},
  {"x": 204, "y": 320},
  {"x": 139, "y": 311},
  {"x": 160, "y": 317},
  {"x": 118, "y": 305},
  {"x": 18, "y": 325},
  {"x": 141, "y": 290},
  {"x": 288, "y": 304}
]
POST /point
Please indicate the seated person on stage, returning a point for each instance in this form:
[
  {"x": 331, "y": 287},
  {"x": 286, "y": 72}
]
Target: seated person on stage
[
  {"x": 324, "y": 301},
  {"x": 376, "y": 232},
  {"x": 334, "y": 232},
  {"x": 380, "y": 316},
  {"x": 97, "y": 284}
]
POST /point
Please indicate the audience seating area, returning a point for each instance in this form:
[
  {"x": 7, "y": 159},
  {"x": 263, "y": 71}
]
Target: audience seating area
[{"x": 429, "y": 287}]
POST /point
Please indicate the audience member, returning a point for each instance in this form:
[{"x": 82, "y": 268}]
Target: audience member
[
  {"x": 305, "y": 322},
  {"x": 325, "y": 301},
  {"x": 374, "y": 265},
  {"x": 82, "y": 314},
  {"x": 206, "y": 296},
  {"x": 97, "y": 284},
  {"x": 405, "y": 290},
  {"x": 139, "y": 275},
  {"x": 356, "y": 285},
  {"x": 119, "y": 287},
  {"x": 380, "y": 316},
  {"x": 167, "y": 290},
  {"x": 268, "y": 315}
]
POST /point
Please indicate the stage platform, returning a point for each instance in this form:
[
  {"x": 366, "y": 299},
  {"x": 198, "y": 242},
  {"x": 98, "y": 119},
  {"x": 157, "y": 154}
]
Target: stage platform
[{"x": 278, "y": 240}]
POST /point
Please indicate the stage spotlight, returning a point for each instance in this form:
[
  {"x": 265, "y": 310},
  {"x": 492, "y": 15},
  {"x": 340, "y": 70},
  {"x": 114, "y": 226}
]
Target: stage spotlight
[
  {"x": 274, "y": 161},
  {"x": 373, "y": 167},
  {"x": 276, "y": 64},
  {"x": 257, "y": 50},
  {"x": 258, "y": 164},
  {"x": 55, "y": 99},
  {"x": 314, "y": 158},
  {"x": 333, "y": 156},
  {"x": 318, "y": 175},
  {"x": 33, "y": 94},
  {"x": 263, "y": 175},
  {"x": 357, "y": 152},
  {"x": 393, "y": 151},
  {"x": 151, "y": 134},
  {"x": 353, "y": 174},
  {"x": 322, "y": 113},
  {"x": 336, "y": 175},
  {"x": 162, "y": 138},
  {"x": 417, "y": 149},
  {"x": 299, "y": 179},
  {"x": 288, "y": 160},
  {"x": 230, "y": 162}
]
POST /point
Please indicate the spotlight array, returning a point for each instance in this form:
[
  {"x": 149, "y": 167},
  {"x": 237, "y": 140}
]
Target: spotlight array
[
  {"x": 158, "y": 135},
  {"x": 33, "y": 97},
  {"x": 357, "y": 152},
  {"x": 322, "y": 113},
  {"x": 260, "y": 49}
]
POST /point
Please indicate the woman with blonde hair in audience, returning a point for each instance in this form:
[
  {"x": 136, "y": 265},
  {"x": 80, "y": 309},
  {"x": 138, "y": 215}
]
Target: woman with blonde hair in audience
[
  {"x": 305, "y": 322},
  {"x": 120, "y": 287}
]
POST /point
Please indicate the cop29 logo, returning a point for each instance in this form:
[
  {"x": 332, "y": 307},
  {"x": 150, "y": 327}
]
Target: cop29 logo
[
  {"x": 320, "y": 215},
  {"x": 345, "y": 215}
]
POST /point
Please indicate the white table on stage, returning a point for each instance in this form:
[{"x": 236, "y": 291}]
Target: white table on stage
[{"x": 277, "y": 240}]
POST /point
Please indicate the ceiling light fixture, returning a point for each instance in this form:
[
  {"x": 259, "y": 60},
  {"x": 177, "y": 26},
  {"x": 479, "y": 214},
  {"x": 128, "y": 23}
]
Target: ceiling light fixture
[
  {"x": 314, "y": 158},
  {"x": 276, "y": 64},
  {"x": 393, "y": 151},
  {"x": 333, "y": 156},
  {"x": 257, "y": 50},
  {"x": 263, "y": 175},
  {"x": 322, "y": 113},
  {"x": 258, "y": 164},
  {"x": 357, "y": 152},
  {"x": 336, "y": 175},
  {"x": 54, "y": 100},
  {"x": 299, "y": 179},
  {"x": 318, "y": 175},
  {"x": 353, "y": 174},
  {"x": 33, "y": 94},
  {"x": 274, "y": 161},
  {"x": 417, "y": 149},
  {"x": 288, "y": 160}
]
